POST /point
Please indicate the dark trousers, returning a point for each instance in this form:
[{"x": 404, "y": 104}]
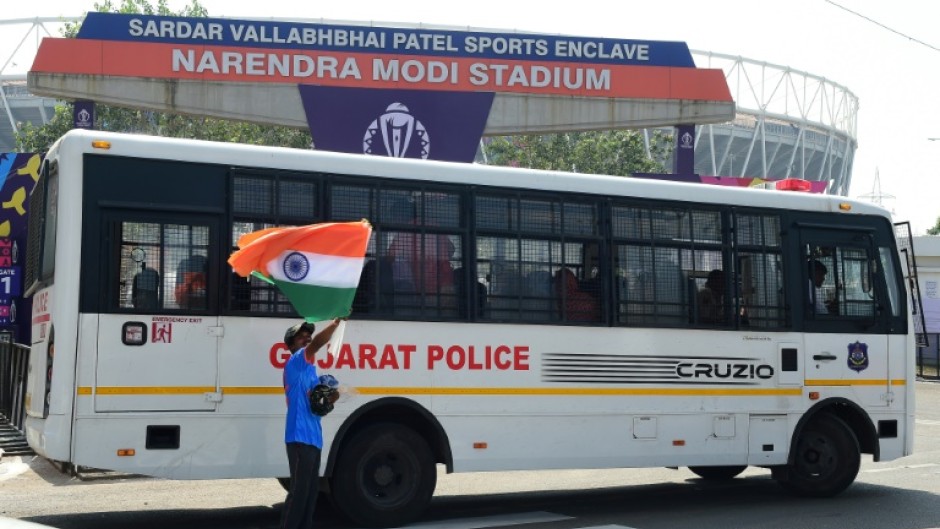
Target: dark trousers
[{"x": 304, "y": 461}]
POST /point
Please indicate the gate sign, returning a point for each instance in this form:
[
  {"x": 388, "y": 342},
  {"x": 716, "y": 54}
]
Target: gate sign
[{"x": 11, "y": 281}]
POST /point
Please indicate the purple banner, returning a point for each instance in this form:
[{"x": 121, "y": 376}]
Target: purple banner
[
  {"x": 685, "y": 150},
  {"x": 83, "y": 115},
  {"x": 400, "y": 123},
  {"x": 19, "y": 173}
]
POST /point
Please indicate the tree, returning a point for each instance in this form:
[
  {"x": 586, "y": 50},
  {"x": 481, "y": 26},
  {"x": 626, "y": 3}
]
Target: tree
[
  {"x": 936, "y": 228},
  {"x": 618, "y": 152},
  {"x": 31, "y": 138}
]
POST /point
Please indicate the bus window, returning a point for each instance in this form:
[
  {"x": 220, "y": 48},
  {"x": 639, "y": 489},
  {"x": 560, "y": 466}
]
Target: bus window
[
  {"x": 760, "y": 271},
  {"x": 840, "y": 282},
  {"x": 162, "y": 266},
  {"x": 263, "y": 200},
  {"x": 663, "y": 258},
  {"x": 889, "y": 273},
  {"x": 419, "y": 241}
]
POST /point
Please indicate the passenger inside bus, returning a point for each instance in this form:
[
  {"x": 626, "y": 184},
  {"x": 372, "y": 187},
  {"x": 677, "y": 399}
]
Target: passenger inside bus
[
  {"x": 575, "y": 303},
  {"x": 711, "y": 298},
  {"x": 145, "y": 287},
  {"x": 818, "y": 299},
  {"x": 190, "y": 291}
]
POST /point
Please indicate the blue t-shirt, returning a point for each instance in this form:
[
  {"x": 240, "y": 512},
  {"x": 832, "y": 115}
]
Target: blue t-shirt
[{"x": 303, "y": 426}]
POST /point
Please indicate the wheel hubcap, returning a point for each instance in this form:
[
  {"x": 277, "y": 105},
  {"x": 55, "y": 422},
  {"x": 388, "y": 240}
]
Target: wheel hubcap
[
  {"x": 383, "y": 475},
  {"x": 818, "y": 458}
]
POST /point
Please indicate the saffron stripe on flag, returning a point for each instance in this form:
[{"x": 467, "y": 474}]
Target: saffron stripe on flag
[
  {"x": 314, "y": 269},
  {"x": 348, "y": 239}
]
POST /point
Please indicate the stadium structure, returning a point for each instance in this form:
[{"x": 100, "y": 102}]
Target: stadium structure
[
  {"x": 20, "y": 40},
  {"x": 789, "y": 123}
]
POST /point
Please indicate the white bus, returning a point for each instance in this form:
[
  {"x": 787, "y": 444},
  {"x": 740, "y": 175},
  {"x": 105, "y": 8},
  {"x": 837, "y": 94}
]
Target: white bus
[{"x": 507, "y": 319}]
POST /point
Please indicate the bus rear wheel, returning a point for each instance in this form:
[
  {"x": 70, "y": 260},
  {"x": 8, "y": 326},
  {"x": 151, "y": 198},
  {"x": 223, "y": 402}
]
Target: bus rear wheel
[
  {"x": 718, "y": 473},
  {"x": 826, "y": 459},
  {"x": 384, "y": 477}
]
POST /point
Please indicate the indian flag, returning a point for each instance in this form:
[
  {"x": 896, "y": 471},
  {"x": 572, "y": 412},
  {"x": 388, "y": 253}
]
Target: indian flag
[{"x": 317, "y": 266}]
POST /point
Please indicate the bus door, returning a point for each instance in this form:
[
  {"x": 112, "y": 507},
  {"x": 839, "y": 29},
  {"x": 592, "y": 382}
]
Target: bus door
[
  {"x": 845, "y": 339},
  {"x": 158, "y": 337}
]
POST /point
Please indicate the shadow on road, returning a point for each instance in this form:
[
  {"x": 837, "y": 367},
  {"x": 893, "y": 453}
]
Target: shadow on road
[{"x": 755, "y": 501}]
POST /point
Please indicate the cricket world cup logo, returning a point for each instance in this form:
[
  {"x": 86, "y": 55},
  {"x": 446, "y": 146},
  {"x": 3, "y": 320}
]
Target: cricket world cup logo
[{"x": 394, "y": 131}]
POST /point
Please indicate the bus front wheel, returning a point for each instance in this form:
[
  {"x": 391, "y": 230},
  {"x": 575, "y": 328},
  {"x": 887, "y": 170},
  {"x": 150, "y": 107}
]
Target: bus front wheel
[
  {"x": 384, "y": 477},
  {"x": 826, "y": 459}
]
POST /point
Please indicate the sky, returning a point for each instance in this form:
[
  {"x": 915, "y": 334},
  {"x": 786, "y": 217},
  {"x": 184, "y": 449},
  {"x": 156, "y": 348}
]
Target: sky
[{"x": 890, "y": 62}]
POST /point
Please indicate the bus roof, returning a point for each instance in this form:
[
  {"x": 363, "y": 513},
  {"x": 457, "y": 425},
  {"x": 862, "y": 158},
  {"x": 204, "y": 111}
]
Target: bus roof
[{"x": 253, "y": 156}]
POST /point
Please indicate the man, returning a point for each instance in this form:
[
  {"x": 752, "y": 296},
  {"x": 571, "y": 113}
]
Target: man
[
  {"x": 819, "y": 275},
  {"x": 303, "y": 434},
  {"x": 711, "y": 299}
]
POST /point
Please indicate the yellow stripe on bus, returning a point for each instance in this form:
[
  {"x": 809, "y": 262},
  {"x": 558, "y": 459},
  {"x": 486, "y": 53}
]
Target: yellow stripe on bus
[
  {"x": 146, "y": 390},
  {"x": 856, "y": 382},
  {"x": 581, "y": 391},
  {"x": 253, "y": 390},
  {"x": 393, "y": 390}
]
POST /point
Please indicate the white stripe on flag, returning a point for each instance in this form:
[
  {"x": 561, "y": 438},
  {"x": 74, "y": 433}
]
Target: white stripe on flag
[{"x": 316, "y": 269}]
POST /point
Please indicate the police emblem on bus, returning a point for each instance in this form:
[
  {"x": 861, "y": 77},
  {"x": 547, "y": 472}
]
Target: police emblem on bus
[
  {"x": 296, "y": 266},
  {"x": 396, "y": 130},
  {"x": 858, "y": 356}
]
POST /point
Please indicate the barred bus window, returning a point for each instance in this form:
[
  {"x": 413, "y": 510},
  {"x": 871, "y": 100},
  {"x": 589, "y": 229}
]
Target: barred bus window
[
  {"x": 651, "y": 289},
  {"x": 496, "y": 213},
  {"x": 140, "y": 267},
  {"x": 499, "y": 267},
  {"x": 759, "y": 264},
  {"x": 581, "y": 219},
  {"x": 670, "y": 224},
  {"x": 856, "y": 295},
  {"x": 630, "y": 223},
  {"x": 416, "y": 251},
  {"x": 163, "y": 267},
  {"x": 707, "y": 226},
  {"x": 297, "y": 199},
  {"x": 540, "y": 216},
  {"x": 351, "y": 203},
  {"x": 253, "y": 196},
  {"x": 263, "y": 201},
  {"x": 528, "y": 265},
  {"x": 418, "y": 273},
  {"x": 670, "y": 267}
]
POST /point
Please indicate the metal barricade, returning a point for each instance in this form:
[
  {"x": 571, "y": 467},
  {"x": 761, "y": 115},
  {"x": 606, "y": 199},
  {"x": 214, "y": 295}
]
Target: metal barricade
[
  {"x": 14, "y": 363},
  {"x": 928, "y": 358}
]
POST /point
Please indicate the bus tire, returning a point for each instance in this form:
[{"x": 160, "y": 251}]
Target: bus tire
[
  {"x": 826, "y": 459},
  {"x": 718, "y": 473},
  {"x": 384, "y": 477}
]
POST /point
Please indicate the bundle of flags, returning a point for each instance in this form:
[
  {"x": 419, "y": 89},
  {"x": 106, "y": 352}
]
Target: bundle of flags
[{"x": 317, "y": 267}]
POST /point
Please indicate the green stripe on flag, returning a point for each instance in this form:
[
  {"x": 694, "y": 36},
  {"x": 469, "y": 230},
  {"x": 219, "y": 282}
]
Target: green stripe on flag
[{"x": 317, "y": 303}]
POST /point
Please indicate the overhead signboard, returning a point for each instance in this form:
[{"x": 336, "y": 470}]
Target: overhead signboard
[
  {"x": 373, "y": 57},
  {"x": 251, "y": 70}
]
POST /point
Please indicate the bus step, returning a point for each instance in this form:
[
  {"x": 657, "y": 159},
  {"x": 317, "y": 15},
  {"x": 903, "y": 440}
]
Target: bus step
[{"x": 94, "y": 474}]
